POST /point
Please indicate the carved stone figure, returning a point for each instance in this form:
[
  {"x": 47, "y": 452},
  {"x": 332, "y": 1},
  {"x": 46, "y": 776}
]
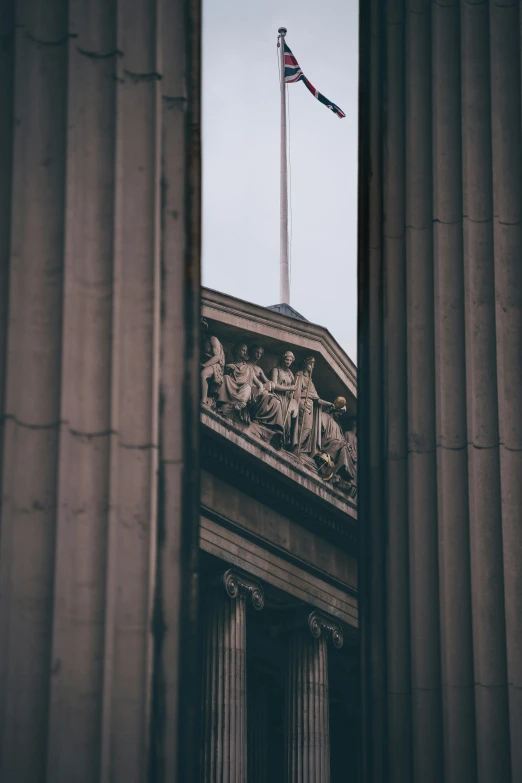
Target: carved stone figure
[
  {"x": 334, "y": 444},
  {"x": 212, "y": 364},
  {"x": 351, "y": 439},
  {"x": 284, "y": 388},
  {"x": 255, "y": 353},
  {"x": 265, "y": 406},
  {"x": 238, "y": 380},
  {"x": 306, "y": 437},
  {"x": 283, "y": 409}
]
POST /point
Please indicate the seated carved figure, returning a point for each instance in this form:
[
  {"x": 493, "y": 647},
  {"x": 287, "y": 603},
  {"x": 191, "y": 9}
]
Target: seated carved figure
[
  {"x": 238, "y": 381},
  {"x": 256, "y": 353},
  {"x": 334, "y": 444},
  {"x": 212, "y": 364},
  {"x": 265, "y": 406}
]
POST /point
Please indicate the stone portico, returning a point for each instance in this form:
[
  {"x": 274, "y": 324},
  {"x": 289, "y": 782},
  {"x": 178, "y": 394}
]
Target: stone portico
[{"x": 279, "y": 575}]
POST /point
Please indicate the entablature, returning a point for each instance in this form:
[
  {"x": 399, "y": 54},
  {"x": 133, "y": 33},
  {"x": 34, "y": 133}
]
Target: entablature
[{"x": 270, "y": 477}]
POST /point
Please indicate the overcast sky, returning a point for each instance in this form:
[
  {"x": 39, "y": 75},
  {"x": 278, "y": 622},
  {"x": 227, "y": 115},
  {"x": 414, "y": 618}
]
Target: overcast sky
[{"x": 241, "y": 140}]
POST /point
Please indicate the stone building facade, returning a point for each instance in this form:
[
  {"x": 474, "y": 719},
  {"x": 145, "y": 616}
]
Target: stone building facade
[
  {"x": 100, "y": 225},
  {"x": 279, "y": 615}
]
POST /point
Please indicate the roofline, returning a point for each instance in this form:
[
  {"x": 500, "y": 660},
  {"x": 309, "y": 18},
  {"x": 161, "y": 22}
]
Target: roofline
[{"x": 307, "y": 328}]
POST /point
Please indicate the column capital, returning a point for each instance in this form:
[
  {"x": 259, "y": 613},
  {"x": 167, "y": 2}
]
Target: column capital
[
  {"x": 322, "y": 625},
  {"x": 238, "y": 583}
]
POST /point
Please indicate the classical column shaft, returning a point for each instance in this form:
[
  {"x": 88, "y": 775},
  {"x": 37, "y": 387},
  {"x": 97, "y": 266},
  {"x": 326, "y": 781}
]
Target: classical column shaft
[
  {"x": 99, "y": 305},
  {"x": 224, "y": 708},
  {"x": 307, "y": 702},
  {"x": 224, "y": 691},
  {"x": 447, "y": 116},
  {"x": 308, "y": 741}
]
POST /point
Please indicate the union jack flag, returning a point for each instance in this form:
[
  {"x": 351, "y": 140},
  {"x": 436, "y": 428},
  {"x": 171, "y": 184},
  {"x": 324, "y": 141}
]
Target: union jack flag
[{"x": 293, "y": 73}]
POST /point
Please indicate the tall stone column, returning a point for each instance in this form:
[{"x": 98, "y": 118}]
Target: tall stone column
[
  {"x": 307, "y": 704},
  {"x": 99, "y": 378},
  {"x": 440, "y": 377},
  {"x": 224, "y": 706}
]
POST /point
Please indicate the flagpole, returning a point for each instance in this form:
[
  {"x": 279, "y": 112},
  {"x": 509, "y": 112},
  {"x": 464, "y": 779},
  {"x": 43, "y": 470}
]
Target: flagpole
[{"x": 284, "y": 268}]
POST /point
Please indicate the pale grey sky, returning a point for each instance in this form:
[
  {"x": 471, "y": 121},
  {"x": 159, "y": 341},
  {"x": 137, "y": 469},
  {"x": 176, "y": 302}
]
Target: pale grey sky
[{"x": 241, "y": 135}]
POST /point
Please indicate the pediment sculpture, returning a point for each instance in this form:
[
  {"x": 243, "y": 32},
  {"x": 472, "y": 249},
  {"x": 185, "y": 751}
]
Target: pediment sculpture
[{"x": 284, "y": 409}]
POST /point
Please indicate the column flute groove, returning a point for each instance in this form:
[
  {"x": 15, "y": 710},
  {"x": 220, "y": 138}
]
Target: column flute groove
[
  {"x": 487, "y": 577},
  {"x": 370, "y": 374},
  {"x": 450, "y": 402},
  {"x": 422, "y": 500},
  {"x": 7, "y": 68},
  {"x": 398, "y": 659},
  {"x": 85, "y": 401},
  {"x": 505, "y": 40}
]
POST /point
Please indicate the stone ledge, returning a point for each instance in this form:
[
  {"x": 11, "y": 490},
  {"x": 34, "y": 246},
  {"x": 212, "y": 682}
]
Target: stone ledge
[{"x": 281, "y": 461}]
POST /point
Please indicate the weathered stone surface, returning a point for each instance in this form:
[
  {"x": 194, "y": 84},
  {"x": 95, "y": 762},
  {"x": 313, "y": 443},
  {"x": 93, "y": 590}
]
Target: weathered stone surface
[
  {"x": 99, "y": 302},
  {"x": 440, "y": 303}
]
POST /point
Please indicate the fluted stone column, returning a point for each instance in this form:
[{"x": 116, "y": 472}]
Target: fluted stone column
[
  {"x": 99, "y": 378},
  {"x": 307, "y": 703},
  {"x": 258, "y": 717},
  {"x": 440, "y": 363},
  {"x": 224, "y": 696}
]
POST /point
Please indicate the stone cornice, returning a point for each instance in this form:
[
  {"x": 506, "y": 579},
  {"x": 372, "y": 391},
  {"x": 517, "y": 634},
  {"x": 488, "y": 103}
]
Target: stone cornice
[
  {"x": 233, "y": 311},
  {"x": 268, "y": 485},
  {"x": 280, "y": 461}
]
